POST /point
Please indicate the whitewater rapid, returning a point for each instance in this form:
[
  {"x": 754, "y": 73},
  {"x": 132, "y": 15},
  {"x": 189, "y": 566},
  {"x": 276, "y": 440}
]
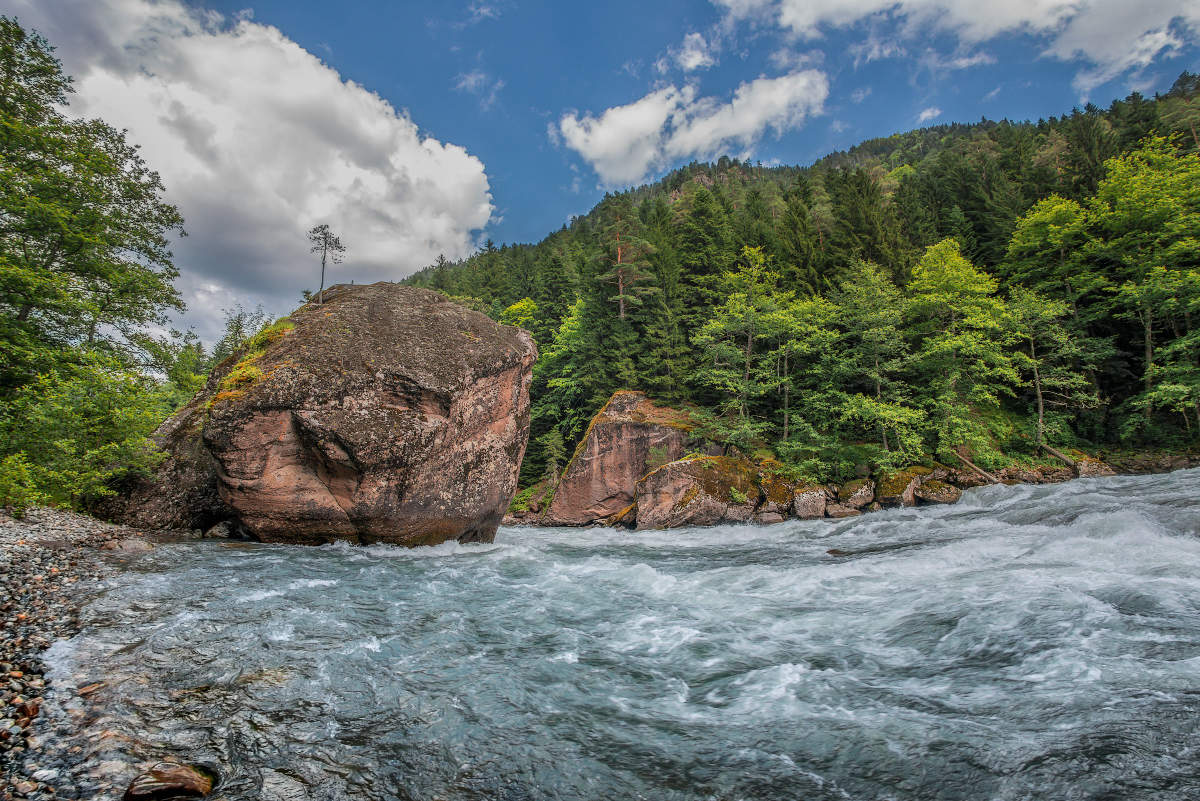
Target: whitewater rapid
[{"x": 1027, "y": 643}]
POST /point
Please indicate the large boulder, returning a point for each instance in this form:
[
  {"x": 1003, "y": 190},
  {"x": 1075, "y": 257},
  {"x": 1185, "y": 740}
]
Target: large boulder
[
  {"x": 387, "y": 414},
  {"x": 701, "y": 491},
  {"x": 627, "y": 439}
]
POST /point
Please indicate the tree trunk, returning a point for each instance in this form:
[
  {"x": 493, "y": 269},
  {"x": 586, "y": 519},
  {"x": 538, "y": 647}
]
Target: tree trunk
[
  {"x": 976, "y": 468},
  {"x": 786, "y": 388},
  {"x": 620, "y": 290},
  {"x": 1037, "y": 388},
  {"x": 879, "y": 397},
  {"x": 1148, "y": 329},
  {"x": 321, "y": 289},
  {"x": 1059, "y": 455},
  {"x": 746, "y": 375}
]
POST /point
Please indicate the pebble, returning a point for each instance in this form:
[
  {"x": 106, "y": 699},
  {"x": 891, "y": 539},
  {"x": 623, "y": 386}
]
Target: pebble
[{"x": 48, "y": 560}]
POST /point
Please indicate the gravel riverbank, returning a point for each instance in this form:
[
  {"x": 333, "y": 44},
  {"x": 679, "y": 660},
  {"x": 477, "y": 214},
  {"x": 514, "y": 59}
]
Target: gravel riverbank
[{"x": 49, "y": 564}]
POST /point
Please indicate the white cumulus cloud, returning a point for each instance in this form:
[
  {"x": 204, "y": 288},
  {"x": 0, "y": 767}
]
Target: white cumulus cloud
[
  {"x": 1113, "y": 36},
  {"x": 624, "y": 142},
  {"x": 933, "y": 112},
  {"x": 257, "y": 140}
]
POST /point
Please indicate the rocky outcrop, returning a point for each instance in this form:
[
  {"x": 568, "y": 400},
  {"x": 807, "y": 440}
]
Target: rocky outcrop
[
  {"x": 627, "y": 439},
  {"x": 934, "y": 491},
  {"x": 809, "y": 502},
  {"x": 700, "y": 491},
  {"x": 387, "y": 414},
  {"x": 856, "y": 494},
  {"x": 899, "y": 487}
]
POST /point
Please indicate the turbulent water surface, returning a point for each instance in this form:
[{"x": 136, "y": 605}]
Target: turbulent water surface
[{"x": 1029, "y": 643}]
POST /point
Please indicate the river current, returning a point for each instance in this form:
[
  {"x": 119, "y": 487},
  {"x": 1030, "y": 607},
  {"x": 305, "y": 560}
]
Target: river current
[{"x": 1027, "y": 643}]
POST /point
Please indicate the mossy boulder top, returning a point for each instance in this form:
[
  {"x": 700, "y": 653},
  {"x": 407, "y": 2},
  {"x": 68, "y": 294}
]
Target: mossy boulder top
[{"x": 386, "y": 414}]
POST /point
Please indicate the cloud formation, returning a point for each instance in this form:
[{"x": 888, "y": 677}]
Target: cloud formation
[
  {"x": 1113, "y": 36},
  {"x": 257, "y": 140},
  {"x": 623, "y": 143},
  {"x": 695, "y": 54},
  {"x": 927, "y": 114}
]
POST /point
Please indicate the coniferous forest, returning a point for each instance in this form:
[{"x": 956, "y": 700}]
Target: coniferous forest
[{"x": 998, "y": 291}]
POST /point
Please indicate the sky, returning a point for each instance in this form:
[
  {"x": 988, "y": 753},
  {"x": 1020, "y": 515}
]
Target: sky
[{"x": 416, "y": 128}]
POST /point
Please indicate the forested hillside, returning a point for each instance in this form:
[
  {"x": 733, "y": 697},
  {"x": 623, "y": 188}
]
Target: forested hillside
[{"x": 956, "y": 291}]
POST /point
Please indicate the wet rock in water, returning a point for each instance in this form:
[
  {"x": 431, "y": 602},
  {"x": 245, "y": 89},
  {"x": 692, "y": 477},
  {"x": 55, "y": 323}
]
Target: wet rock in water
[
  {"x": 809, "y": 502},
  {"x": 934, "y": 491},
  {"x": 837, "y": 510},
  {"x": 701, "y": 491},
  {"x": 387, "y": 414},
  {"x": 168, "y": 780},
  {"x": 768, "y": 518},
  {"x": 627, "y": 439},
  {"x": 856, "y": 494}
]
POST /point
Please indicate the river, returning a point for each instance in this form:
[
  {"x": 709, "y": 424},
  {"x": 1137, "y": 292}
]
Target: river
[{"x": 1027, "y": 643}]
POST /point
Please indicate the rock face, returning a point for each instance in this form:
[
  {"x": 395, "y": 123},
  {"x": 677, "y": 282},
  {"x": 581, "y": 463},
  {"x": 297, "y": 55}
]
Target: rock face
[
  {"x": 627, "y": 439},
  {"x": 701, "y": 491},
  {"x": 934, "y": 491},
  {"x": 387, "y": 414}
]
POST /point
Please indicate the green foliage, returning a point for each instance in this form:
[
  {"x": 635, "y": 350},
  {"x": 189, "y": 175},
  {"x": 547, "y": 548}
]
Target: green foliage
[
  {"x": 18, "y": 487},
  {"x": 84, "y": 244},
  {"x": 73, "y": 433},
  {"x": 521, "y": 314}
]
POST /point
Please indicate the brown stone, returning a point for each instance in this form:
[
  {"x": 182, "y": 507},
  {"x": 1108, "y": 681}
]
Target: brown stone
[
  {"x": 169, "y": 780},
  {"x": 777, "y": 495},
  {"x": 809, "y": 502},
  {"x": 701, "y": 491},
  {"x": 933, "y": 491},
  {"x": 856, "y": 494},
  {"x": 768, "y": 518},
  {"x": 627, "y": 439},
  {"x": 387, "y": 414}
]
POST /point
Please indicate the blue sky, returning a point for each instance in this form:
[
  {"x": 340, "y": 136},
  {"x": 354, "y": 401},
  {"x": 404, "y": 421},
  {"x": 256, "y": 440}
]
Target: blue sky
[{"x": 503, "y": 118}]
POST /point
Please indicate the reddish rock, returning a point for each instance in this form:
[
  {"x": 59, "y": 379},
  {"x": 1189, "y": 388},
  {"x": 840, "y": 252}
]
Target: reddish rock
[
  {"x": 169, "y": 780},
  {"x": 809, "y": 502},
  {"x": 701, "y": 491},
  {"x": 933, "y": 491},
  {"x": 856, "y": 494},
  {"x": 1056, "y": 475},
  {"x": 387, "y": 414},
  {"x": 627, "y": 439}
]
